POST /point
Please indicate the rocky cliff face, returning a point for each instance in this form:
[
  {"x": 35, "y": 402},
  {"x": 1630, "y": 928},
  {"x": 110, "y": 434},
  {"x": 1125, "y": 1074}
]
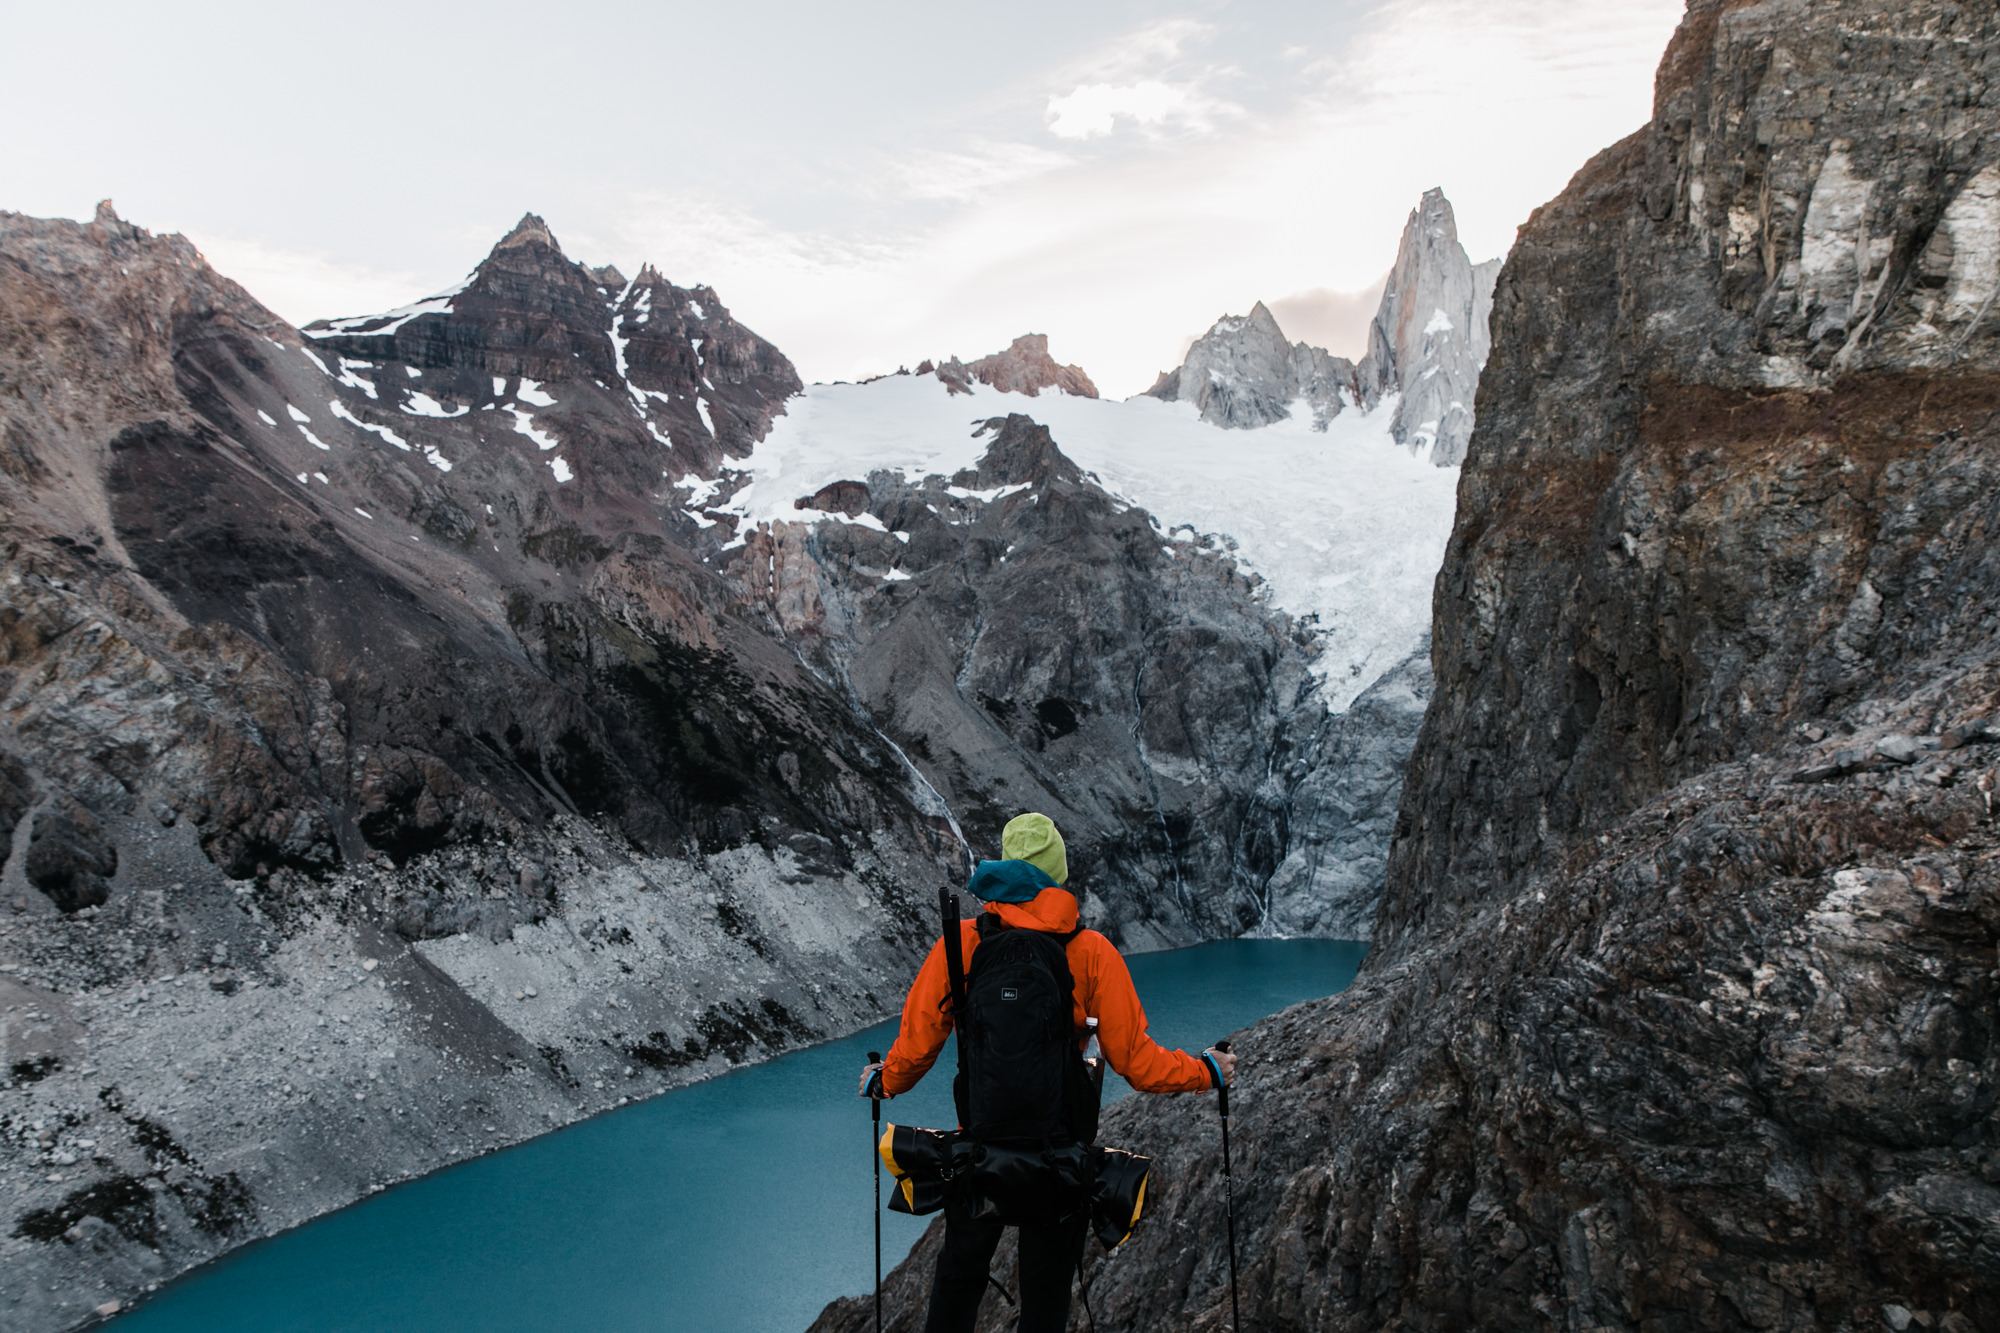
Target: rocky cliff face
[
  {"x": 1425, "y": 346},
  {"x": 1682, "y": 1011}
]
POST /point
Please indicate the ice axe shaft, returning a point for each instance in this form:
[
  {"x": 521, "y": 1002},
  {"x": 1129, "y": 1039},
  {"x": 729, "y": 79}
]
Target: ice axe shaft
[
  {"x": 874, "y": 1141},
  {"x": 1228, "y": 1195}
]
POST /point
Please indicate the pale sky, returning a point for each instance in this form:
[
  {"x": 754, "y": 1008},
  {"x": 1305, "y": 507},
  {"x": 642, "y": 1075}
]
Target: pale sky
[{"x": 864, "y": 184}]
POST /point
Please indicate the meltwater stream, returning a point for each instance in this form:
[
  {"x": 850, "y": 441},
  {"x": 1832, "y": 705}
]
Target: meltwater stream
[{"x": 741, "y": 1203}]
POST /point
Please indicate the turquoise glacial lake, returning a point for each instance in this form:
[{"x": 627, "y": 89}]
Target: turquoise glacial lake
[{"x": 739, "y": 1205}]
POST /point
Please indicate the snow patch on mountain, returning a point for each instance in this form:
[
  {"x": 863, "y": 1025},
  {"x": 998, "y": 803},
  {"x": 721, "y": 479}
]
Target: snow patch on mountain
[
  {"x": 1342, "y": 524},
  {"x": 389, "y": 320}
]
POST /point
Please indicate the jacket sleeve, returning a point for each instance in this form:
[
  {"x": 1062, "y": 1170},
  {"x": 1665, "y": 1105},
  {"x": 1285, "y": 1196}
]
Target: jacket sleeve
[
  {"x": 1121, "y": 1028},
  {"x": 926, "y": 1025}
]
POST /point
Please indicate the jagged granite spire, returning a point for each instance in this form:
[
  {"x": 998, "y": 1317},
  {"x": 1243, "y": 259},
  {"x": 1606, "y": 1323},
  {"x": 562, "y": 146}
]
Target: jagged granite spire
[
  {"x": 1426, "y": 344},
  {"x": 1428, "y": 341}
]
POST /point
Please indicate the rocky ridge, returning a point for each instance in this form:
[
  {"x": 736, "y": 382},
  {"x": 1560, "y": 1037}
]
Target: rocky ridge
[
  {"x": 1681, "y": 1010},
  {"x": 1025, "y": 367},
  {"x": 1425, "y": 347}
]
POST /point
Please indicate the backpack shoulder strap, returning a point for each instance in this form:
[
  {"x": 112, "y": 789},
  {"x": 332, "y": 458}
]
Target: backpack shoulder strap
[{"x": 954, "y": 950}]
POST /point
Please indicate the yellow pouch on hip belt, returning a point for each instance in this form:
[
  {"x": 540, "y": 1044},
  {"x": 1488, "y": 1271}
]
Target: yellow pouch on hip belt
[{"x": 921, "y": 1160}]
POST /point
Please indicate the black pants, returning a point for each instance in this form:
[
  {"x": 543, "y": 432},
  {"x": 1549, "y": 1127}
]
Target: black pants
[{"x": 1049, "y": 1258}]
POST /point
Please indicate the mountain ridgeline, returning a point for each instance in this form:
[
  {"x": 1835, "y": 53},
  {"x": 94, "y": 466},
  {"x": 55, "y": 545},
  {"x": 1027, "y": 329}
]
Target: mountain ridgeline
[
  {"x": 1681, "y": 1010},
  {"x": 1425, "y": 347}
]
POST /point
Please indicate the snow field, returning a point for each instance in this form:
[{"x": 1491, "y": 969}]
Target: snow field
[{"x": 1345, "y": 524}]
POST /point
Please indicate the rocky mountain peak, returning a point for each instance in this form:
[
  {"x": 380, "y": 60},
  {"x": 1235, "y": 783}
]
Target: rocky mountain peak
[
  {"x": 1022, "y": 452},
  {"x": 1425, "y": 345},
  {"x": 1262, "y": 322},
  {"x": 1243, "y": 374},
  {"x": 652, "y": 364},
  {"x": 106, "y": 213},
  {"x": 530, "y": 230},
  {"x": 1025, "y": 367}
]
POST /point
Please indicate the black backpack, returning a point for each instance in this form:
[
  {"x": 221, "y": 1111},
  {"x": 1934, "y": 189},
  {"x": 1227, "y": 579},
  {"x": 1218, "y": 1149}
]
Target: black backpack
[
  {"x": 1027, "y": 1104},
  {"x": 1021, "y": 1077}
]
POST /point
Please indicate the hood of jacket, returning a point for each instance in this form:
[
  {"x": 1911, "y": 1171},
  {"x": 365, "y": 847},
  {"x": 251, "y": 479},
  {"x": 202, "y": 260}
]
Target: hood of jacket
[{"x": 1051, "y": 909}]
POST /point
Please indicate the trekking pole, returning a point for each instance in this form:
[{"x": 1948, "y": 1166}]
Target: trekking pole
[
  {"x": 874, "y": 1141},
  {"x": 1228, "y": 1193}
]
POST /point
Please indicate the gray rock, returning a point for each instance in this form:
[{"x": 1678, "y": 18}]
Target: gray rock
[
  {"x": 1899, "y": 749},
  {"x": 1244, "y": 373}
]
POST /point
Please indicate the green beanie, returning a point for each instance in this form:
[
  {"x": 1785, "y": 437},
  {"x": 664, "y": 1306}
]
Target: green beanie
[{"x": 1033, "y": 838}]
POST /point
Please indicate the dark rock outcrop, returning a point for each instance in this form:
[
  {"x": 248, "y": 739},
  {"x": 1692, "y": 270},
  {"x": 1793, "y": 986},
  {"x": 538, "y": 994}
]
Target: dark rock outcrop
[
  {"x": 69, "y": 858},
  {"x": 698, "y": 380},
  {"x": 17, "y": 797},
  {"x": 1682, "y": 1007}
]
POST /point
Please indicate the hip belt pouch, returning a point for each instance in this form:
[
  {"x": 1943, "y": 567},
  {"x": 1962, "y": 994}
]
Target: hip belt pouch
[
  {"x": 924, "y": 1163},
  {"x": 1028, "y": 1185},
  {"x": 1117, "y": 1194},
  {"x": 1017, "y": 1185}
]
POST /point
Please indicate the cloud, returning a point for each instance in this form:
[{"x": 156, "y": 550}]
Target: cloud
[
  {"x": 1144, "y": 51},
  {"x": 1147, "y": 78},
  {"x": 1093, "y": 109}
]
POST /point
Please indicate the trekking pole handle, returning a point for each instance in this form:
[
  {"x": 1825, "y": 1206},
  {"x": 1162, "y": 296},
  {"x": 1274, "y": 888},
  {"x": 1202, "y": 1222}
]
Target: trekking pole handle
[{"x": 1221, "y": 1087}]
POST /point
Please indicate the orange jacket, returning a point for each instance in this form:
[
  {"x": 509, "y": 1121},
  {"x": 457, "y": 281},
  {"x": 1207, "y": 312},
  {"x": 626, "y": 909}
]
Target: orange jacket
[{"x": 1103, "y": 990}]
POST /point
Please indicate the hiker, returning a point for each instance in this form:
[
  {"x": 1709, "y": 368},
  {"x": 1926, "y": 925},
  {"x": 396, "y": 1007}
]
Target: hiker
[{"x": 1023, "y": 892}]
